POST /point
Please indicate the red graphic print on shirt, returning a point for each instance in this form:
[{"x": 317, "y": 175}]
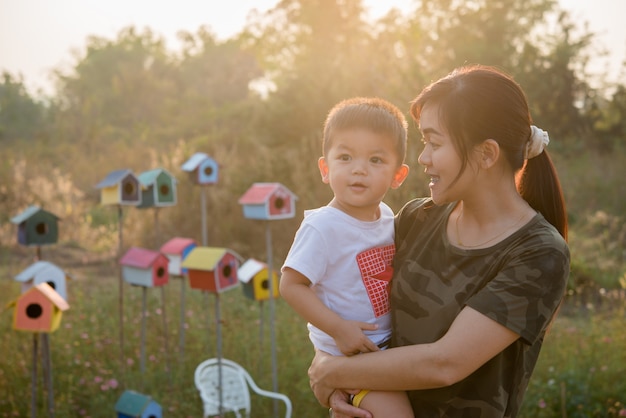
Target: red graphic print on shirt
[{"x": 376, "y": 272}]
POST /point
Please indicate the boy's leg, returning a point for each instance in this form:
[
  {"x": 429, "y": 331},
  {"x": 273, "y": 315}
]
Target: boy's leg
[{"x": 385, "y": 404}]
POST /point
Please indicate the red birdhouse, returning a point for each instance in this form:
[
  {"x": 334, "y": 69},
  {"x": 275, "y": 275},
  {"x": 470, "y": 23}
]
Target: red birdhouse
[
  {"x": 211, "y": 269},
  {"x": 144, "y": 267}
]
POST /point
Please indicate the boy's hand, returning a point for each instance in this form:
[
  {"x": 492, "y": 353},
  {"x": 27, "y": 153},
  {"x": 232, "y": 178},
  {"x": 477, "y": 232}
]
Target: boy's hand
[{"x": 351, "y": 340}]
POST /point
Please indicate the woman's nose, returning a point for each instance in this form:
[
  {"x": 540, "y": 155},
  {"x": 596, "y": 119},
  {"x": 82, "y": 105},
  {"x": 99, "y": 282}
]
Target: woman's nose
[{"x": 423, "y": 158}]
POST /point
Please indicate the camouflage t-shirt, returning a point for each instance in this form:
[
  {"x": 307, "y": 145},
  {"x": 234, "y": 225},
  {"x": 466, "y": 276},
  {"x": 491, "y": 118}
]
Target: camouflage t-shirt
[{"x": 518, "y": 282}]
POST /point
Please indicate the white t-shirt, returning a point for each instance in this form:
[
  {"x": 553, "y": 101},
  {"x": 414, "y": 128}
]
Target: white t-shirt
[{"x": 348, "y": 262}]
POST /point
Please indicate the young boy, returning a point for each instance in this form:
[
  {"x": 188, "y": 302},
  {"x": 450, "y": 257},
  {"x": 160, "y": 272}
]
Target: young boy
[{"x": 339, "y": 266}]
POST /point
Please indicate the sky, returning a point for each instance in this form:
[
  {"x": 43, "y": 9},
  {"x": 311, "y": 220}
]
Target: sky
[{"x": 38, "y": 36}]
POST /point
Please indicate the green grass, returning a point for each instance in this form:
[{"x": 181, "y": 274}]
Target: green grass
[{"x": 581, "y": 370}]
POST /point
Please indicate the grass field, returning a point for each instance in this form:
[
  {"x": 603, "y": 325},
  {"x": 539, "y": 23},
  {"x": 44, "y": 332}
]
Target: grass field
[{"x": 581, "y": 372}]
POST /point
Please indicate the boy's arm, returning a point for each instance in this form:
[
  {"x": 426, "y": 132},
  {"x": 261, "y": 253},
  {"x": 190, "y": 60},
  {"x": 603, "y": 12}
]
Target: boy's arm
[{"x": 295, "y": 288}]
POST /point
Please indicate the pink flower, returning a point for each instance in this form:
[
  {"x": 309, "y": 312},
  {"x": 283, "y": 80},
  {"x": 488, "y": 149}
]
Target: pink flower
[
  {"x": 542, "y": 403},
  {"x": 113, "y": 384},
  {"x": 622, "y": 412}
]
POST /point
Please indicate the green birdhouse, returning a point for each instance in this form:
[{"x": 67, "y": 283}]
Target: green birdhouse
[{"x": 36, "y": 226}]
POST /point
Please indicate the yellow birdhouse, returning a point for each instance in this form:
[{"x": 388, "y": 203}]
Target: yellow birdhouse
[
  {"x": 254, "y": 275},
  {"x": 39, "y": 309}
]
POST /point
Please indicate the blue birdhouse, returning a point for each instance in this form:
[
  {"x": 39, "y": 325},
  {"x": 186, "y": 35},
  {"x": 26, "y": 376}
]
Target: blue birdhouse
[
  {"x": 268, "y": 201},
  {"x": 120, "y": 187},
  {"x": 136, "y": 405},
  {"x": 202, "y": 169},
  {"x": 143, "y": 267},
  {"x": 158, "y": 188},
  {"x": 36, "y": 226},
  {"x": 44, "y": 272}
]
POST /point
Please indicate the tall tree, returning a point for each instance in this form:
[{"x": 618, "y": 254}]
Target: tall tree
[{"x": 21, "y": 116}]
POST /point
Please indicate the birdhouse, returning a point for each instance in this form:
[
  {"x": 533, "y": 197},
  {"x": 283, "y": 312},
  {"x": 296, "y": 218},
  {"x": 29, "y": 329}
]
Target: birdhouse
[
  {"x": 136, "y": 405},
  {"x": 211, "y": 269},
  {"x": 158, "y": 188},
  {"x": 36, "y": 226},
  {"x": 39, "y": 309},
  {"x": 176, "y": 250},
  {"x": 44, "y": 272},
  {"x": 120, "y": 187},
  {"x": 202, "y": 169},
  {"x": 144, "y": 267},
  {"x": 254, "y": 275},
  {"x": 268, "y": 201}
]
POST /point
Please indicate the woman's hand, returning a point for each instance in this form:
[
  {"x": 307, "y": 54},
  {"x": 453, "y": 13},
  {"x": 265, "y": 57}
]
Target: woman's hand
[
  {"x": 321, "y": 364},
  {"x": 341, "y": 408}
]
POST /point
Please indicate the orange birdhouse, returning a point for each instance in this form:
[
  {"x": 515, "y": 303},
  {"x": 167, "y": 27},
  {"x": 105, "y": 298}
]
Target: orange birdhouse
[
  {"x": 39, "y": 309},
  {"x": 211, "y": 269}
]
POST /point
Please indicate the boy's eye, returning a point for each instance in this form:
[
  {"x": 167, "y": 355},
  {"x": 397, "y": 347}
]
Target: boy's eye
[
  {"x": 376, "y": 160},
  {"x": 344, "y": 157}
]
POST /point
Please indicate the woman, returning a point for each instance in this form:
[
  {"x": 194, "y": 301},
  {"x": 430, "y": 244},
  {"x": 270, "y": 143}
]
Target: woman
[{"x": 481, "y": 266}]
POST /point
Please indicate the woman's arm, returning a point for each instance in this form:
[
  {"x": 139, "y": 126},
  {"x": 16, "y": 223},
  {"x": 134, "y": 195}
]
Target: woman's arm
[
  {"x": 470, "y": 342},
  {"x": 348, "y": 335}
]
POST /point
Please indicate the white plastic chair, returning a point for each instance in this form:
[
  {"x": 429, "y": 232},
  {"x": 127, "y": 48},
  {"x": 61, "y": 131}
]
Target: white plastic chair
[{"x": 235, "y": 393}]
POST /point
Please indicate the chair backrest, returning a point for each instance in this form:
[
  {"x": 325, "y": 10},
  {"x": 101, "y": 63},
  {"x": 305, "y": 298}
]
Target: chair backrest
[{"x": 236, "y": 382}]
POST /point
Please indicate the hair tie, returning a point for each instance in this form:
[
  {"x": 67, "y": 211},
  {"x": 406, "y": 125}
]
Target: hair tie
[{"x": 537, "y": 142}]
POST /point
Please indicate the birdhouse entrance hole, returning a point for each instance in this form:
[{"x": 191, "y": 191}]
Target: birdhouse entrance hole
[
  {"x": 165, "y": 189},
  {"x": 279, "y": 203},
  {"x": 34, "y": 310},
  {"x": 227, "y": 271},
  {"x": 160, "y": 272},
  {"x": 41, "y": 228},
  {"x": 265, "y": 284},
  {"x": 208, "y": 171},
  {"x": 129, "y": 188}
]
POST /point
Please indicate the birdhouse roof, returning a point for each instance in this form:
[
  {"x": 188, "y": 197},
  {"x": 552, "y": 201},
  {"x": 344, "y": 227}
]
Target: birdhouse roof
[
  {"x": 132, "y": 403},
  {"x": 34, "y": 269},
  {"x": 193, "y": 162},
  {"x": 50, "y": 294},
  {"x": 149, "y": 177},
  {"x": 29, "y": 212},
  {"x": 140, "y": 257},
  {"x": 204, "y": 258},
  {"x": 259, "y": 193},
  {"x": 113, "y": 178},
  {"x": 249, "y": 269},
  {"x": 176, "y": 245}
]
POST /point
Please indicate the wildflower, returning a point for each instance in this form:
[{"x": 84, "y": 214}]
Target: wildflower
[
  {"x": 97, "y": 379},
  {"x": 622, "y": 412},
  {"x": 130, "y": 361},
  {"x": 542, "y": 403},
  {"x": 113, "y": 384}
]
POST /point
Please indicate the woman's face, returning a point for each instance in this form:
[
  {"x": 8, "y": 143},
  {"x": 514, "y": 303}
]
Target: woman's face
[{"x": 440, "y": 158}]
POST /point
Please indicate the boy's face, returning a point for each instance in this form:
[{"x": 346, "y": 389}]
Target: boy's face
[{"x": 360, "y": 167}]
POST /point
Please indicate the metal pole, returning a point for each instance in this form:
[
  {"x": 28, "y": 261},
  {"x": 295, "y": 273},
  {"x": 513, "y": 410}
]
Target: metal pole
[
  {"x": 268, "y": 243},
  {"x": 121, "y": 285},
  {"x": 182, "y": 319},
  {"x": 218, "y": 326},
  {"x": 47, "y": 371},
  {"x": 203, "y": 193},
  {"x": 142, "y": 363},
  {"x": 165, "y": 336},
  {"x": 33, "y": 404}
]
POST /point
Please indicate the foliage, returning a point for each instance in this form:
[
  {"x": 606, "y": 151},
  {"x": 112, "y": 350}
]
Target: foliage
[
  {"x": 21, "y": 116},
  {"x": 580, "y": 368}
]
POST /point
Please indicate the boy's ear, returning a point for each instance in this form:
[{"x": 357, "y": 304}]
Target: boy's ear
[
  {"x": 321, "y": 163},
  {"x": 400, "y": 176}
]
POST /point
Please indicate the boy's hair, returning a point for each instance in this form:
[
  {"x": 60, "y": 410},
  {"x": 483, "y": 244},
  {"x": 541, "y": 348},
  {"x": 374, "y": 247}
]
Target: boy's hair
[{"x": 371, "y": 113}]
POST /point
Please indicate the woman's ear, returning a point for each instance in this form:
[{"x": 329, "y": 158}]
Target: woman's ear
[
  {"x": 490, "y": 152},
  {"x": 400, "y": 176},
  {"x": 321, "y": 164}
]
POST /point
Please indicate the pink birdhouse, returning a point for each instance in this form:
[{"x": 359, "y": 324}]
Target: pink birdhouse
[
  {"x": 39, "y": 309},
  {"x": 143, "y": 267},
  {"x": 268, "y": 201},
  {"x": 176, "y": 250},
  {"x": 211, "y": 269}
]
